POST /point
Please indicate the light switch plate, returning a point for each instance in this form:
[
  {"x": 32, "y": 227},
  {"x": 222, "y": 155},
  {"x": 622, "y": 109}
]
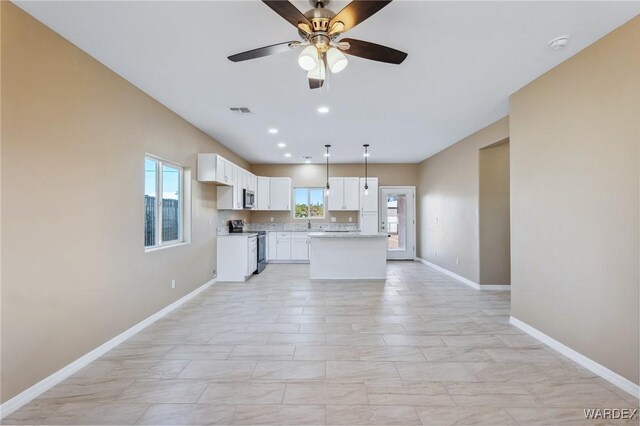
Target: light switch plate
[{"x": 333, "y": 219}]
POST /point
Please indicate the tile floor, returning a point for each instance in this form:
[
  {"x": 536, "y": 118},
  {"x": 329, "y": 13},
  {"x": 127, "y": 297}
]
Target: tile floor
[{"x": 419, "y": 348}]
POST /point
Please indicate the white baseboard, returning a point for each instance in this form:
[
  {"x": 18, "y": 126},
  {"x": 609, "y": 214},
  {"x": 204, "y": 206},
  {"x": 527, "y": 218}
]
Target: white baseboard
[
  {"x": 47, "y": 383},
  {"x": 465, "y": 280},
  {"x": 602, "y": 371}
]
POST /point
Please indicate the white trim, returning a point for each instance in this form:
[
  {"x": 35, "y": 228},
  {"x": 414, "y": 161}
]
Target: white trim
[
  {"x": 599, "y": 369},
  {"x": 151, "y": 249},
  {"x": 465, "y": 280},
  {"x": 47, "y": 383}
]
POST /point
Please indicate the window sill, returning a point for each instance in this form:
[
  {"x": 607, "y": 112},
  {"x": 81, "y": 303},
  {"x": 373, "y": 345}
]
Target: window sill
[{"x": 166, "y": 246}]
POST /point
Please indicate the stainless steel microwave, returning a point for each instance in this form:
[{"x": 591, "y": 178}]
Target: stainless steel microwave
[{"x": 248, "y": 199}]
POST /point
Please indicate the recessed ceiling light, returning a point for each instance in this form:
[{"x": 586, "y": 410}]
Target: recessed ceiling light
[
  {"x": 323, "y": 109},
  {"x": 326, "y": 154},
  {"x": 282, "y": 145},
  {"x": 287, "y": 154},
  {"x": 559, "y": 42},
  {"x": 273, "y": 131}
]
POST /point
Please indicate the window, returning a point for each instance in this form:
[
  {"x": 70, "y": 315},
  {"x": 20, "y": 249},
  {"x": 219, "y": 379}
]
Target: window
[
  {"x": 309, "y": 203},
  {"x": 163, "y": 203}
]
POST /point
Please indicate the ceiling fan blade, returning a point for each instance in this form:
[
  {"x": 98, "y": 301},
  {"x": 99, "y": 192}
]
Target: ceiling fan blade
[
  {"x": 288, "y": 11},
  {"x": 374, "y": 52},
  {"x": 315, "y": 83},
  {"x": 265, "y": 51},
  {"x": 357, "y": 11}
]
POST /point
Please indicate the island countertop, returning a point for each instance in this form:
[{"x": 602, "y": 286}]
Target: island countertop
[{"x": 346, "y": 235}]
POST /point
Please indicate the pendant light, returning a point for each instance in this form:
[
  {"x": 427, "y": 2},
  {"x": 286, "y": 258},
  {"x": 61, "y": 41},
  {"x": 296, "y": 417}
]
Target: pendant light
[
  {"x": 366, "y": 168},
  {"x": 326, "y": 154}
]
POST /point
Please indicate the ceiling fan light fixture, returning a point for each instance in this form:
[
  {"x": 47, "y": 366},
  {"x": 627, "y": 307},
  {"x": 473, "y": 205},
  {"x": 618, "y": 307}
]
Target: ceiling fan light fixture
[
  {"x": 337, "y": 60},
  {"x": 318, "y": 73},
  {"x": 308, "y": 59}
]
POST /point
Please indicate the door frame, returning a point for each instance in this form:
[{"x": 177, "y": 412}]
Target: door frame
[{"x": 381, "y": 200}]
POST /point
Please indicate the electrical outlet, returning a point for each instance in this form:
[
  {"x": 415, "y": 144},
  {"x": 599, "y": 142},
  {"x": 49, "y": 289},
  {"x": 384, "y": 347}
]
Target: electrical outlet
[
  {"x": 271, "y": 219},
  {"x": 173, "y": 283},
  {"x": 458, "y": 261},
  {"x": 333, "y": 219},
  {"x": 350, "y": 219}
]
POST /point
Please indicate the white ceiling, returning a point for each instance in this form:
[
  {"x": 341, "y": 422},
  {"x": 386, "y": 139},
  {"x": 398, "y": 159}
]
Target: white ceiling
[{"x": 465, "y": 59}]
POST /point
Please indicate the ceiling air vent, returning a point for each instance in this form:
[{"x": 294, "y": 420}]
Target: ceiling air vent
[{"x": 240, "y": 110}]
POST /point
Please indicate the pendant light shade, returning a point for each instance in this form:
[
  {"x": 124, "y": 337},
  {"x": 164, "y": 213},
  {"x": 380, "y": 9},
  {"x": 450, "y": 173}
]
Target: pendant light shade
[
  {"x": 308, "y": 59},
  {"x": 336, "y": 60},
  {"x": 318, "y": 73},
  {"x": 327, "y": 189}
]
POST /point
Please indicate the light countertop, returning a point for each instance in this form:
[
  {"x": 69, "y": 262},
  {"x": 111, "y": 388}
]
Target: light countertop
[{"x": 346, "y": 235}]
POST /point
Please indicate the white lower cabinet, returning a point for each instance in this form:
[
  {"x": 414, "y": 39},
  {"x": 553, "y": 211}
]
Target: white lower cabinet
[
  {"x": 272, "y": 244},
  {"x": 283, "y": 248},
  {"x": 287, "y": 246},
  {"x": 299, "y": 246},
  {"x": 237, "y": 257}
]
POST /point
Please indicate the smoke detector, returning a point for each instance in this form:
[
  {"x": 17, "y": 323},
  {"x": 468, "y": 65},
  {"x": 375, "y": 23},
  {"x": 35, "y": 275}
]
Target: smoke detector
[
  {"x": 307, "y": 159},
  {"x": 559, "y": 42}
]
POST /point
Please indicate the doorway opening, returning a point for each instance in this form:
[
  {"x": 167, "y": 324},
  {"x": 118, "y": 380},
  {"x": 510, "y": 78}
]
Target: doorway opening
[
  {"x": 494, "y": 215},
  {"x": 397, "y": 219}
]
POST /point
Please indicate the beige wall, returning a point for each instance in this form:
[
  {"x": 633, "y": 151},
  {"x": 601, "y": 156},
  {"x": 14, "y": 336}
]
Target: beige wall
[
  {"x": 74, "y": 135},
  {"x": 316, "y": 175},
  {"x": 493, "y": 218},
  {"x": 575, "y": 135},
  {"x": 448, "y": 190}
]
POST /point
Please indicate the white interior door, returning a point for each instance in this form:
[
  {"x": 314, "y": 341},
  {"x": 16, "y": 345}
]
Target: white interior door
[{"x": 397, "y": 219}]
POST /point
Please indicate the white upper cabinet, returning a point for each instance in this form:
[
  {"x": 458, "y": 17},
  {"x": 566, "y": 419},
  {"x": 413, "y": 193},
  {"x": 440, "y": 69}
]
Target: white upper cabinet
[
  {"x": 279, "y": 193},
  {"x": 351, "y": 193},
  {"x": 369, "y": 201},
  {"x": 335, "y": 200},
  {"x": 263, "y": 193},
  {"x": 270, "y": 193},
  {"x": 215, "y": 169},
  {"x": 344, "y": 193},
  {"x": 223, "y": 170}
]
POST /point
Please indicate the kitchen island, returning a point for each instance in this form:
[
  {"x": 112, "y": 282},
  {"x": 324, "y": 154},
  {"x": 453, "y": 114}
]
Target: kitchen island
[{"x": 348, "y": 256}]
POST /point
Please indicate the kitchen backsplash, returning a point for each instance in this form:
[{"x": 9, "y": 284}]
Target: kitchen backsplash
[{"x": 272, "y": 226}]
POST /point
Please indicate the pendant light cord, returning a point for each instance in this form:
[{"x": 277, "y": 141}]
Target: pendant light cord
[
  {"x": 366, "y": 165},
  {"x": 327, "y": 155}
]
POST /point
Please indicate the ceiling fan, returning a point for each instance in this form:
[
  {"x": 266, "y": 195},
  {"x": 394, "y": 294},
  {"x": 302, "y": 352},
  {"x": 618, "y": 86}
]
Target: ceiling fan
[{"x": 319, "y": 29}]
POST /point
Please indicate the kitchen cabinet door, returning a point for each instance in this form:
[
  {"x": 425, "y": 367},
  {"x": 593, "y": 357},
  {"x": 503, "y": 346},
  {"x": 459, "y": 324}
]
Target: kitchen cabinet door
[
  {"x": 237, "y": 188},
  {"x": 221, "y": 169},
  {"x": 299, "y": 249},
  {"x": 263, "y": 193},
  {"x": 369, "y": 222},
  {"x": 272, "y": 245},
  {"x": 252, "y": 254},
  {"x": 351, "y": 187},
  {"x": 280, "y": 193},
  {"x": 335, "y": 200},
  {"x": 283, "y": 249},
  {"x": 369, "y": 201}
]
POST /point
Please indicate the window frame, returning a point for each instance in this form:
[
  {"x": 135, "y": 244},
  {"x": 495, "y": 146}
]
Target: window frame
[
  {"x": 324, "y": 203},
  {"x": 184, "y": 197}
]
